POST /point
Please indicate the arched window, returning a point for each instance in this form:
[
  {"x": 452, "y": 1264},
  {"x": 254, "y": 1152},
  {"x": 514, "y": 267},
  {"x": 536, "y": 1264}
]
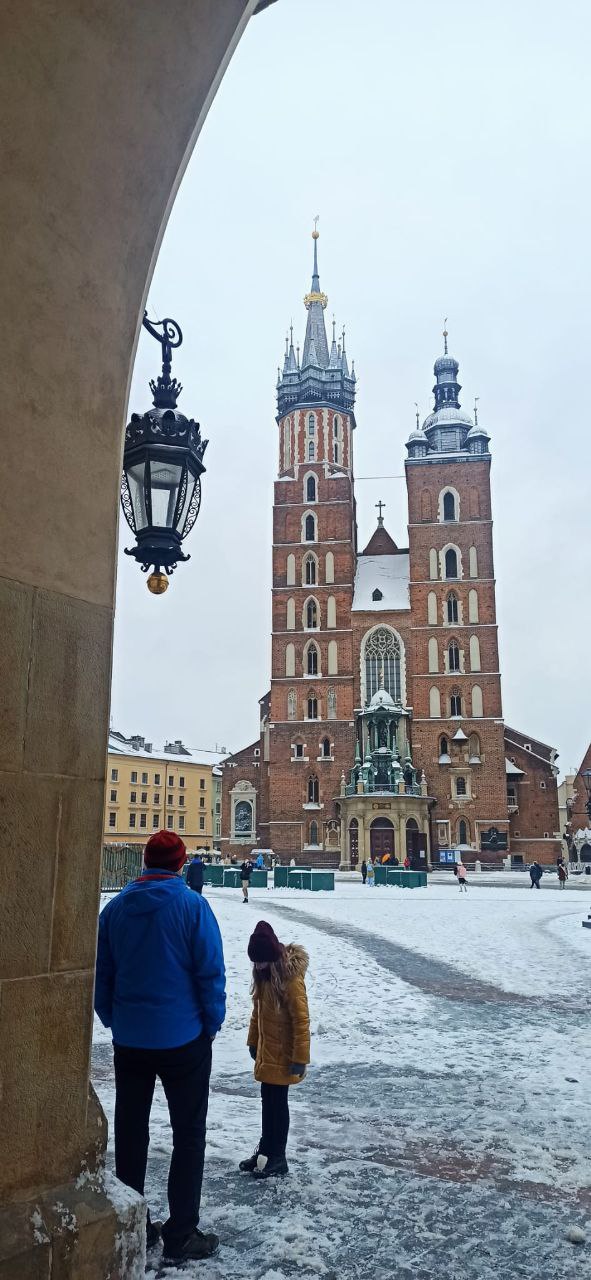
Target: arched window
[
  {"x": 455, "y": 703},
  {"x": 434, "y": 703},
  {"x": 290, "y": 623},
  {"x": 331, "y": 702},
  {"x": 453, "y": 657},
  {"x": 331, "y": 612},
  {"x": 433, "y": 566},
  {"x": 333, "y": 658},
  {"x": 290, "y": 571},
  {"x": 382, "y": 662},
  {"x": 433, "y": 655},
  {"x": 463, "y": 835},
  {"x": 452, "y": 607},
  {"x": 477, "y": 705},
  {"x": 473, "y": 562},
  {"x": 326, "y": 747},
  {"x": 310, "y": 489},
  {"x": 449, "y": 506},
  {"x": 310, "y": 527},
  {"x": 461, "y": 789},
  {"x": 311, "y": 450},
  {"x": 313, "y": 791},
  {"x": 290, "y": 660},
  {"x": 353, "y": 839},
  {"x": 329, "y": 568},
  {"x": 451, "y": 563},
  {"x": 432, "y": 608},
  {"x": 311, "y": 660},
  {"x": 313, "y": 833},
  {"x": 311, "y": 615},
  {"x": 311, "y": 424},
  {"x": 443, "y": 750},
  {"x": 336, "y": 425},
  {"x": 291, "y": 704},
  {"x": 474, "y": 653},
  {"x": 472, "y": 605},
  {"x": 312, "y": 707},
  {"x": 310, "y": 571},
  {"x": 336, "y": 457},
  {"x": 474, "y": 749}
]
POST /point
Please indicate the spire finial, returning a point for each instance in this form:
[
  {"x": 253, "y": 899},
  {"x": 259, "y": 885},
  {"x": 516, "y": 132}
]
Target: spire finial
[
  {"x": 291, "y": 333},
  {"x": 343, "y": 339},
  {"x": 316, "y": 233},
  {"x": 333, "y": 329},
  {"x": 445, "y": 336},
  {"x": 476, "y": 399},
  {"x": 417, "y": 414},
  {"x": 380, "y": 506},
  {"x": 287, "y": 344}
]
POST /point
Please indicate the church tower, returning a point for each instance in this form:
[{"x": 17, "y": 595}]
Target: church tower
[
  {"x": 455, "y": 684},
  {"x": 311, "y": 727}
]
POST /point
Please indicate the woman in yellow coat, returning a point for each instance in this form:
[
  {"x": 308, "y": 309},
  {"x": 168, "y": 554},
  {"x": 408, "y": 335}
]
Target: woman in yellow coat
[{"x": 278, "y": 1041}]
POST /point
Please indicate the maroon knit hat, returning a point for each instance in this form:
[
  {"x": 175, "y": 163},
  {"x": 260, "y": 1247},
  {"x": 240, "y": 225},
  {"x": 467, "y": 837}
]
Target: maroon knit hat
[
  {"x": 264, "y": 946},
  {"x": 165, "y": 850}
]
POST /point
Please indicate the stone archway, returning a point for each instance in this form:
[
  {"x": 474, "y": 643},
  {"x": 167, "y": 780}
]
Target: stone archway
[
  {"x": 585, "y": 853},
  {"x": 381, "y": 837},
  {"x": 102, "y": 105}
]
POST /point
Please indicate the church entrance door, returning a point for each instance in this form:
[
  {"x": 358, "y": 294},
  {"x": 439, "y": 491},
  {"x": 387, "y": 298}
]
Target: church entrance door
[{"x": 381, "y": 838}]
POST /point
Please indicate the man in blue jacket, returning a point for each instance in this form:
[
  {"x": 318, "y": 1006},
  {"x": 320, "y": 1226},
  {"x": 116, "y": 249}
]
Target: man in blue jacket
[{"x": 160, "y": 987}]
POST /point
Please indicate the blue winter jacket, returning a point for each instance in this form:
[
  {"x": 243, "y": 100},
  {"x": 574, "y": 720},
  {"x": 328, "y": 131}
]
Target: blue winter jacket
[{"x": 160, "y": 977}]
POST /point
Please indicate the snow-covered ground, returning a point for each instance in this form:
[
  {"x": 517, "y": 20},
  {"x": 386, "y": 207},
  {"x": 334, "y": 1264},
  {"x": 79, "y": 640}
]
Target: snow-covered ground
[{"x": 443, "y": 1129}]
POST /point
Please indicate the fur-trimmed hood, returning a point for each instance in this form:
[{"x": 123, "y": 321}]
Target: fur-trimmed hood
[{"x": 297, "y": 961}]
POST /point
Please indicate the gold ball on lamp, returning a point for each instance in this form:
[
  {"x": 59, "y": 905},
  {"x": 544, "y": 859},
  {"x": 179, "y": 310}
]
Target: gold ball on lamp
[{"x": 157, "y": 584}]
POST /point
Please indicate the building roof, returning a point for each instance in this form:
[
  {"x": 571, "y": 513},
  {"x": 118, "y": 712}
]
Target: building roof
[
  {"x": 120, "y": 746},
  {"x": 380, "y": 543},
  {"x": 512, "y": 771},
  {"x": 388, "y": 574}
]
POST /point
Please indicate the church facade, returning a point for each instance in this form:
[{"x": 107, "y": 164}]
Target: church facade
[{"x": 383, "y": 732}]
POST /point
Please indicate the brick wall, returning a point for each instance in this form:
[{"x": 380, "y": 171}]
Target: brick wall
[{"x": 535, "y": 826}]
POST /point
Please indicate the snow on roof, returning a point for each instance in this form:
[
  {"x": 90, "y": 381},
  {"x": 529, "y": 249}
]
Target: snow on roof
[
  {"x": 512, "y": 769},
  {"x": 388, "y": 574},
  {"x": 118, "y": 747}
]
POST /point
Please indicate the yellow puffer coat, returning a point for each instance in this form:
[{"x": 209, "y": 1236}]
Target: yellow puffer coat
[{"x": 281, "y": 1035}]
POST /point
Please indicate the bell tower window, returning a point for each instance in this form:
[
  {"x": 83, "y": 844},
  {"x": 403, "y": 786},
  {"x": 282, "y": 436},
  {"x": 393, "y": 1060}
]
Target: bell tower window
[{"x": 311, "y": 489}]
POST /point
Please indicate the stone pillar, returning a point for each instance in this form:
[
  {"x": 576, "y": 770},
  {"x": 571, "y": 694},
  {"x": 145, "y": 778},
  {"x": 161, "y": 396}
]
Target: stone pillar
[{"x": 102, "y": 105}]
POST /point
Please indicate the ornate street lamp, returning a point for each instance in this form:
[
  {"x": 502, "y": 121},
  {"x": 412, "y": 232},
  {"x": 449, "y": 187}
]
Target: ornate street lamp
[{"x": 162, "y": 468}]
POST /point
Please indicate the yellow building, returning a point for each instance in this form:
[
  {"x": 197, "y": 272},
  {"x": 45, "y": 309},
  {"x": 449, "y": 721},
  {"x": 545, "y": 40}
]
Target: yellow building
[{"x": 170, "y": 789}]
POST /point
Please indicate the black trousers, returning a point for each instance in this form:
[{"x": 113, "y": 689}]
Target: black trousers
[
  {"x": 275, "y": 1126},
  {"x": 184, "y": 1073}
]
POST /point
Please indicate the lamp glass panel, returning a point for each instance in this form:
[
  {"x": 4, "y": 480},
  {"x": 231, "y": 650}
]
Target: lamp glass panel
[
  {"x": 165, "y": 478},
  {"x": 135, "y": 480}
]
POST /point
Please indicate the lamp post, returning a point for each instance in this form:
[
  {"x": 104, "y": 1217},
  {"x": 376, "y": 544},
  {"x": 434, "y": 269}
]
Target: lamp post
[{"x": 162, "y": 469}]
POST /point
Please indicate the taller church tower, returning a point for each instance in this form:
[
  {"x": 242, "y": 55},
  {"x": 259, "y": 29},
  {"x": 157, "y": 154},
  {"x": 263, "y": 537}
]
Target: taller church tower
[
  {"x": 311, "y": 729},
  {"x": 458, "y": 732}
]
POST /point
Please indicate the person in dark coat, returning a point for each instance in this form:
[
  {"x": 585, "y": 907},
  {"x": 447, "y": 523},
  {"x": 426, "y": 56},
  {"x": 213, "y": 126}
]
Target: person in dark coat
[
  {"x": 195, "y": 874},
  {"x": 364, "y": 871},
  {"x": 562, "y": 874},
  {"x": 246, "y": 871},
  {"x": 160, "y": 987},
  {"x": 535, "y": 875}
]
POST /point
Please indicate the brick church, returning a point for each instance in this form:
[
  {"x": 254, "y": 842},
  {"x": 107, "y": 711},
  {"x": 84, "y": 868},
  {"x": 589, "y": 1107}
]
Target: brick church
[{"x": 383, "y": 731}]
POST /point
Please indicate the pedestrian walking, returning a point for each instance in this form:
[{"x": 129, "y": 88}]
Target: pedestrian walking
[
  {"x": 196, "y": 874},
  {"x": 364, "y": 871},
  {"x": 371, "y": 874},
  {"x": 562, "y": 874},
  {"x": 246, "y": 871},
  {"x": 462, "y": 874},
  {"x": 406, "y": 863},
  {"x": 535, "y": 875},
  {"x": 160, "y": 987},
  {"x": 278, "y": 1041}
]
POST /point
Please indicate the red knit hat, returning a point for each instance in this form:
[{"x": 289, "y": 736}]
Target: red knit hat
[
  {"x": 264, "y": 946},
  {"x": 165, "y": 850}
]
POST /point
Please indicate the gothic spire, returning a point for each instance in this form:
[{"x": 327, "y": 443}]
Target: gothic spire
[{"x": 315, "y": 302}]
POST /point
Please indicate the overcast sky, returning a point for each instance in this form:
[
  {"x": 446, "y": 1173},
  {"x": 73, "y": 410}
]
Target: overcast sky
[{"x": 446, "y": 149}]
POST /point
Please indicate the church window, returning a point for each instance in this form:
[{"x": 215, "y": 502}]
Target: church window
[
  {"x": 463, "y": 837},
  {"x": 290, "y": 571},
  {"x": 329, "y": 566},
  {"x": 452, "y": 607},
  {"x": 313, "y": 791},
  {"x": 332, "y": 704},
  {"x": 461, "y": 789},
  {"x": 290, "y": 623},
  {"x": 313, "y": 833},
  {"x": 336, "y": 426},
  {"x": 434, "y": 703},
  {"x": 477, "y": 704},
  {"x": 311, "y": 450},
  {"x": 310, "y": 527},
  {"x": 312, "y": 660},
  {"x": 473, "y": 562},
  {"x": 333, "y": 658},
  {"x": 326, "y": 747},
  {"x": 311, "y": 424},
  {"x": 474, "y": 653},
  {"x": 377, "y": 594},
  {"x": 291, "y": 704},
  {"x": 298, "y": 751},
  {"x": 443, "y": 748},
  {"x": 433, "y": 569},
  {"x": 451, "y": 563},
  {"x": 382, "y": 662},
  {"x": 449, "y": 506},
  {"x": 336, "y": 452},
  {"x": 433, "y": 655},
  {"x": 331, "y": 612},
  {"x": 310, "y": 571},
  {"x": 453, "y": 655},
  {"x": 432, "y": 608},
  {"x": 311, "y": 615},
  {"x": 311, "y": 489},
  {"x": 312, "y": 707},
  {"x": 455, "y": 703},
  {"x": 290, "y": 660}
]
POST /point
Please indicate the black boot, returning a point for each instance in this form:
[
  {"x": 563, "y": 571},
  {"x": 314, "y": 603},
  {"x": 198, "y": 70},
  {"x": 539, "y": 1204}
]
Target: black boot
[
  {"x": 153, "y": 1233},
  {"x": 270, "y": 1167},
  {"x": 248, "y": 1166},
  {"x": 196, "y": 1246}
]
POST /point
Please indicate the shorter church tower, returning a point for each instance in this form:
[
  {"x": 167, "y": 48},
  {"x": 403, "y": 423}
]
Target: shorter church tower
[{"x": 455, "y": 682}]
